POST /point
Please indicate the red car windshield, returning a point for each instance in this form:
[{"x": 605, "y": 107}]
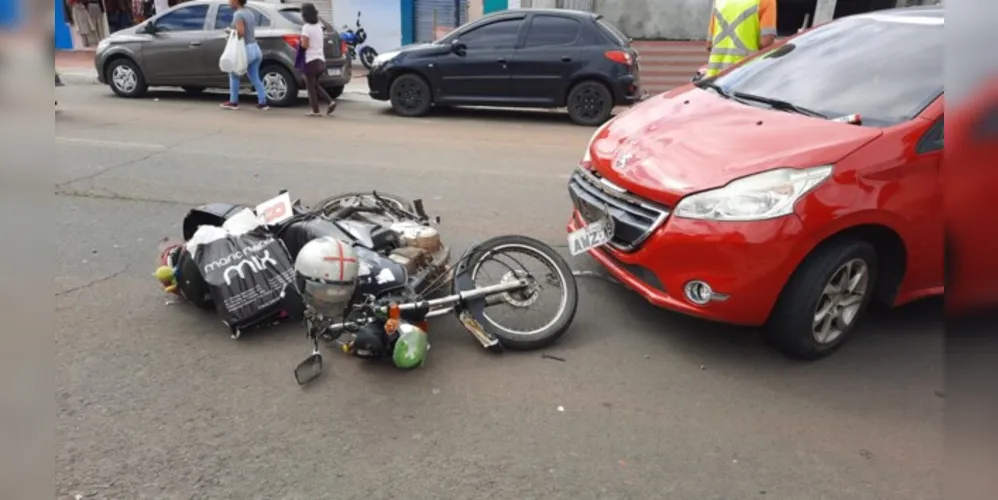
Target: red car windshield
[{"x": 886, "y": 68}]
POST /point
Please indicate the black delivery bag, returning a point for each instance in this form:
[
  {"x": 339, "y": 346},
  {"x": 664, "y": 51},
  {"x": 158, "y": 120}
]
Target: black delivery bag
[{"x": 250, "y": 276}]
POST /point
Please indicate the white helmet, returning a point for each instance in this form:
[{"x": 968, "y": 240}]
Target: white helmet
[{"x": 326, "y": 275}]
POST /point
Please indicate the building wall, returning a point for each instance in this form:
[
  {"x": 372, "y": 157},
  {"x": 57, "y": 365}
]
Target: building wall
[
  {"x": 657, "y": 19},
  {"x": 476, "y": 8}
]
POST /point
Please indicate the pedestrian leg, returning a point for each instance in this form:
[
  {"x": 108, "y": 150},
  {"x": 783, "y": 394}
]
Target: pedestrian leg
[
  {"x": 233, "y": 101},
  {"x": 312, "y": 86},
  {"x": 255, "y": 57}
]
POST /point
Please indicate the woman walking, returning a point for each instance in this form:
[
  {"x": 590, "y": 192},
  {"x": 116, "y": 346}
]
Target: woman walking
[
  {"x": 244, "y": 23},
  {"x": 315, "y": 60}
]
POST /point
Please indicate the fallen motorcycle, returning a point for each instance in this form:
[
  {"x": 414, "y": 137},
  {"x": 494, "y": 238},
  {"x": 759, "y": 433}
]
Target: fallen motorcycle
[{"x": 401, "y": 265}]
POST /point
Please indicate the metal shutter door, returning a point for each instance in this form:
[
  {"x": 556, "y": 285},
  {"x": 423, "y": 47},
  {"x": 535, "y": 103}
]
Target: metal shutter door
[
  {"x": 444, "y": 13},
  {"x": 324, "y": 7}
]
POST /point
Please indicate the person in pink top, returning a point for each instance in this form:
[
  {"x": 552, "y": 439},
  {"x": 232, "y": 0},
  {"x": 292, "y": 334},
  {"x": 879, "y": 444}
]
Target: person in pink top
[{"x": 315, "y": 60}]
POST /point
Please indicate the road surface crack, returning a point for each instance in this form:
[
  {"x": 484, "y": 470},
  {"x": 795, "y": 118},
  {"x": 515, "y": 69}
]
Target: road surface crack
[
  {"x": 73, "y": 193},
  {"x": 93, "y": 283},
  {"x": 136, "y": 161},
  {"x": 109, "y": 169}
]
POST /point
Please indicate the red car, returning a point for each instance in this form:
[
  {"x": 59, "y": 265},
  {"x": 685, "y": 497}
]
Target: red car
[{"x": 787, "y": 192}]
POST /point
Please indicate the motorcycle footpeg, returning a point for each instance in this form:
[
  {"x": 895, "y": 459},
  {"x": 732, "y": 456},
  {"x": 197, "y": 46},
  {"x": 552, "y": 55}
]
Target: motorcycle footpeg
[{"x": 488, "y": 341}]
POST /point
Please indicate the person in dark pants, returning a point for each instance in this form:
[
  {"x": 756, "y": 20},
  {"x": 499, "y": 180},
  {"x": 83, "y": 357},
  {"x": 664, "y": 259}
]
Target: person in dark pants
[{"x": 315, "y": 60}]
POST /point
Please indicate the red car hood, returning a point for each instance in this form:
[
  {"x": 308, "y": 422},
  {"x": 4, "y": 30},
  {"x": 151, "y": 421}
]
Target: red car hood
[{"x": 691, "y": 140}]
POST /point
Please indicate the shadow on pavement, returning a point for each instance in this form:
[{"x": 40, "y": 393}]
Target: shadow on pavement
[
  {"x": 553, "y": 117},
  {"x": 891, "y": 345},
  {"x": 218, "y": 96}
]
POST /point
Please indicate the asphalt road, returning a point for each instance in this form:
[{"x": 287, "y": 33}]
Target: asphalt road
[{"x": 156, "y": 401}]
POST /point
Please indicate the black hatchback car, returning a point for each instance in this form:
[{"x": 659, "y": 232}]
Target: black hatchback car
[{"x": 535, "y": 58}]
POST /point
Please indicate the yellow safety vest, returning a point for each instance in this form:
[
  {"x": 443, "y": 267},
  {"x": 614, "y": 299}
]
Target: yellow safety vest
[{"x": 736, "y": 33}]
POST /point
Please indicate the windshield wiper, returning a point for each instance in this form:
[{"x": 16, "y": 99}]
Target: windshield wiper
[
  {"x": 780, "y": 105},
  {"x": 704, "y": 84}
]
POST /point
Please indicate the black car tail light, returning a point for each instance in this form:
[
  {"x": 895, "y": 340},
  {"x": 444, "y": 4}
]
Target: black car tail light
[{"x": 620, "y": 56}]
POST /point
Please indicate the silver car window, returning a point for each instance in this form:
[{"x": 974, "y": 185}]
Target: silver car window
[
  {"x": 223, "y": 17},
  {"x": 183, "y": 19}
]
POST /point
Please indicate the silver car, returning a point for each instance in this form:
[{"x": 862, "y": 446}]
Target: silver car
[{"x": 181, "y": 48}]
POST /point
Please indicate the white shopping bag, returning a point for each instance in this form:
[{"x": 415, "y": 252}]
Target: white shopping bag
[{"x": 233, "y": 58}]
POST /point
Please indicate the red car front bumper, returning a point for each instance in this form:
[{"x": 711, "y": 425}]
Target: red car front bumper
[{"x": 747, "y": 262}]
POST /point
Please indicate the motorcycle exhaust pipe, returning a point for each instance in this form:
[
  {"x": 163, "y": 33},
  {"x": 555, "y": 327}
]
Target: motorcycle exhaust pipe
[{"x": 477, "y": 293}]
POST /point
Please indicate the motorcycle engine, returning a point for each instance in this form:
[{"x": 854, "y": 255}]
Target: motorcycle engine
[{"x": 418, "y": 244}]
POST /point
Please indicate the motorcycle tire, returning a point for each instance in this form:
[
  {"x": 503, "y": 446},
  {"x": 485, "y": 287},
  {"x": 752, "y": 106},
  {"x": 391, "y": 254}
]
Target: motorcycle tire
[
  {"x": 367, "y": 57},
  {"x": 557, "y": 266}
]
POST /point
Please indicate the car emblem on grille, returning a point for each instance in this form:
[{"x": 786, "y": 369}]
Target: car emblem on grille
[{"x": 623, "y": 162}]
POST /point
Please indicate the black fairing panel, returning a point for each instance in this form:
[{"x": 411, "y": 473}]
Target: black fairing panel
[
  {"x": 298, "y": 233},
  {"x": 212, "y": 214}
]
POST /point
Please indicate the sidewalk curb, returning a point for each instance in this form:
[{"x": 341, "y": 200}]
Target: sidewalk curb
[{"x": 78, "y": 77}]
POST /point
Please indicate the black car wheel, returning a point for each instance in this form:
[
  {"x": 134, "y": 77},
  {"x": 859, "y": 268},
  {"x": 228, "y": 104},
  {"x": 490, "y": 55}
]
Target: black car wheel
[
  {"x": 335, "y": 92},
  {"x": 824, "y": 300},
  {"x": 590, "y": 103},
  {"x": 125, "y": 78},
  {"x": 279, "y": 86},
  {"x": 410, "y": 96}
]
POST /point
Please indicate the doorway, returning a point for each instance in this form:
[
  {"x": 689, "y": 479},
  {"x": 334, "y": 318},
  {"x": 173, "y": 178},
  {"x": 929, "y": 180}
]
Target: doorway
[
  {"x": 791, "y": 15},
  {"x": 849, "y": 7}
]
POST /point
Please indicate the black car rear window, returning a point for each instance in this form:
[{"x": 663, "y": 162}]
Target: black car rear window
[
  {"x": 614, "y": 33},
  {"x": 551, "y": 31},
  {"x": 885, "y": 68}
]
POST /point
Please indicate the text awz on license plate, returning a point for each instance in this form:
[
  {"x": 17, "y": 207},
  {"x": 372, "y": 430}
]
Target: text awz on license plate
[{"x": 593, "y": 235}]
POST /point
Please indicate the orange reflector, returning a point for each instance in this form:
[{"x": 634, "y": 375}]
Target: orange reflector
[{"x": 392, "y": 325}]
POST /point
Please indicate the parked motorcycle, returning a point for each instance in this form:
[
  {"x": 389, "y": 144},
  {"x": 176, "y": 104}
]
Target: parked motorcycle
[
  {"x": 355, "y": 39},
  {"x": 406, "y": 269}
]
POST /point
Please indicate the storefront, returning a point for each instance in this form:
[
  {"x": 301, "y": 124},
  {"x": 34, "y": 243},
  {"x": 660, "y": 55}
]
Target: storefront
[
  {"x": 393, "y": 23},
  {"x": 82, "y": 24},
  {"x": 435, "y": 18}
]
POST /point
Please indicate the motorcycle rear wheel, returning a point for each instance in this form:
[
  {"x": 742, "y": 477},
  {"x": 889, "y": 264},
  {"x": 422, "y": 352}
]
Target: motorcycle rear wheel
[{"x": 557, "y": 275}]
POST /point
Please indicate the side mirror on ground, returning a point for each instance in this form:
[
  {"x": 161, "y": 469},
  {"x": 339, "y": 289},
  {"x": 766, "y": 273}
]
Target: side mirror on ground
[{"x": 309, "y": 370}]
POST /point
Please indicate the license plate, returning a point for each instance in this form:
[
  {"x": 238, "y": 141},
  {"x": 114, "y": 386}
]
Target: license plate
[
  {"x": 334, "y": 71},
  {"x": 593, "y": 235}
]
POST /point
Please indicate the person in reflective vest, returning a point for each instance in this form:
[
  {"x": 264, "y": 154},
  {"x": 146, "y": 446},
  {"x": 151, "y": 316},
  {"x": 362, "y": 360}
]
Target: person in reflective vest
[{"x": 738, "y": 29}]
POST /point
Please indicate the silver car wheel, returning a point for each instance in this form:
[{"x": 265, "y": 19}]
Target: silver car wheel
[
  {"x": 840, "y": 301},
  {"x": 275, "y": 86},
  {"x": 124, "y": 78}
]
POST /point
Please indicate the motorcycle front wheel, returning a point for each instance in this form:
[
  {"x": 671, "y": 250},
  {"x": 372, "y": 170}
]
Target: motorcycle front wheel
[
  {"x": 367, "y": 57},
  {"x": 509, "y": 258}
]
